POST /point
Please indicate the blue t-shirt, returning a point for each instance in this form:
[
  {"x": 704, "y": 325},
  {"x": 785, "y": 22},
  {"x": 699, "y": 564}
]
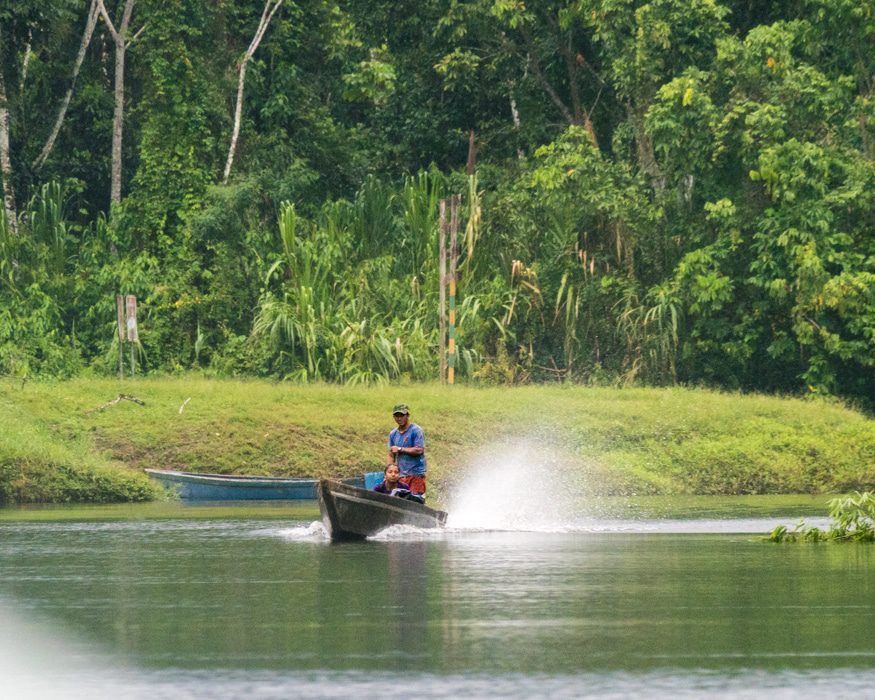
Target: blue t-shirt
[{"x": 410, "y": 465}]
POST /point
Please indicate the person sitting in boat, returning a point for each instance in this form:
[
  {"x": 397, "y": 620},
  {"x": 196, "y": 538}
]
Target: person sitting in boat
[
  {"x": 392, "y": 486},
  {"x": 390, "y": 483},
  {"x": 407, "y": 450}
]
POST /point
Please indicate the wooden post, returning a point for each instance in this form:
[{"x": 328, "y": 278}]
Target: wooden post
[
  {"x": 133, "y": 335},
  {"x": 472, "y": 154},
  {"x": 442, "y": 311},
  {"x": 454, "y": 245},
  {"x": 120, "y": 322}
]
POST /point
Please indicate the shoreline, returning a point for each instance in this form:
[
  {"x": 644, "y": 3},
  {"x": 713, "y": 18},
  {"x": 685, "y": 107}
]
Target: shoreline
[{"x": 72, "y": 441}]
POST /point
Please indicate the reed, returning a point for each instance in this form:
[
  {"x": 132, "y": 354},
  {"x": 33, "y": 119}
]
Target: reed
[
  {"x": 852, "y": 519},
  {"x": 351, "y": 295}
]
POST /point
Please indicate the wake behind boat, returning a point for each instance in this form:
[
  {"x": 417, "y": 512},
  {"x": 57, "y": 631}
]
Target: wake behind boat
[
  {"x": 351, "y": 513},
  {"x": 230, "y": 487}
]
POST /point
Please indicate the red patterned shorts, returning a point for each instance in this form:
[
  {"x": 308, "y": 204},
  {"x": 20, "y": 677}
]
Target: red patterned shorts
[{"x": 416, "y": 484}]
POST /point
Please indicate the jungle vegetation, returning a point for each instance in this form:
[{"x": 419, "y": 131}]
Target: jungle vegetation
[{"x": 659, "y": 191}]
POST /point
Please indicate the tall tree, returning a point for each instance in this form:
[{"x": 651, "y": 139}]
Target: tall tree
[
  {"x": 120, "y": 39},
  {"x": 5, "y": 160}
]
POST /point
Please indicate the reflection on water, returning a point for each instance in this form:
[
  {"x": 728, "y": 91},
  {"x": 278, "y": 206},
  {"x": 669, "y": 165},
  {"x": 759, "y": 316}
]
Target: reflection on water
[
  {"x": 233, "y": 608},
  {"x": 172, "y": 684}
]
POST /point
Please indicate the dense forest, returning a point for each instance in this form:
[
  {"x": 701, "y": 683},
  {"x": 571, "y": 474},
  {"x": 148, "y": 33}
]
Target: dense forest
[{"x": 659, "y": 192}]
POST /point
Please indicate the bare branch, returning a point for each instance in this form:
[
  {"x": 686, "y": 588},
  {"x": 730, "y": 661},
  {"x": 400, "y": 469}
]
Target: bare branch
[
  {"x": 532, "y": 60},
  {"x": 517, "y": 124},
  {"x": 137, "y": 33},
  {"x": 120, "y": 397},
  {"x": 573, "y": 60},
  {"x": 270, "y": 8},
  {"x": 126, "y": 19},
  {"x": 548, "y": 88},
  {"x": 109, "y": 24},
  {"x": 83, "y": 47}
]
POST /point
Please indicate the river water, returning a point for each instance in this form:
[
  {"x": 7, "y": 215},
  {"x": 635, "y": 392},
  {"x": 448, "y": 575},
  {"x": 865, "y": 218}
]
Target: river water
[{"x": 179, "y": 602}]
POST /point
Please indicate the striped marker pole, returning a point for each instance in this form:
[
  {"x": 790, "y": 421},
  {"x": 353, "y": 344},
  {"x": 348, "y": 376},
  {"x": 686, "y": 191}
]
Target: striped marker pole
[
  {"x": 454, "y": 231},
  {"x": 442, "y": 294}
]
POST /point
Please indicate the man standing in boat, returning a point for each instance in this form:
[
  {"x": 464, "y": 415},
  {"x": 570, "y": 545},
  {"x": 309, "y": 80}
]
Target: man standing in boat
[{"x": 407, "y": 450}]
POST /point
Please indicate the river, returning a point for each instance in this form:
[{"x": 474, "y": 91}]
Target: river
[{"x": 175, "y": 601}]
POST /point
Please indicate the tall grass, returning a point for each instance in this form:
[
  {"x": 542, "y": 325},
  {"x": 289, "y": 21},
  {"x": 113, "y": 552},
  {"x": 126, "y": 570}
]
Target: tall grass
[{"x": 350, "y": 297}]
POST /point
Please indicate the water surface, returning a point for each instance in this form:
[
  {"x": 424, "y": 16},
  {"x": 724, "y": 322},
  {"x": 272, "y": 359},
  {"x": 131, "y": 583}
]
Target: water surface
[{"x": 689, "y": 604}]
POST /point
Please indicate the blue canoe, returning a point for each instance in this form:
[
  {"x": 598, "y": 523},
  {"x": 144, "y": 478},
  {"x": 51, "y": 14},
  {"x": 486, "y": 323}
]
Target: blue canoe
[{"x": 229, "y": 487}]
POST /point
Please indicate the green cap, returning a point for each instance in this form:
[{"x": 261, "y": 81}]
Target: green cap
[{"x": 400, "y": 408}]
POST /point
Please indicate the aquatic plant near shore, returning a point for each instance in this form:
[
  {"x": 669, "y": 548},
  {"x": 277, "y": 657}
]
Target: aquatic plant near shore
[{"x": 852, "y": 520}]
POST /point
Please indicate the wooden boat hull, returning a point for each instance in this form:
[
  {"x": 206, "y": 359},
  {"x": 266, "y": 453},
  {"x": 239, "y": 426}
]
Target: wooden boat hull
[
  {"x": 228, "y": 487},
  {"x": 351, "y": 513}
]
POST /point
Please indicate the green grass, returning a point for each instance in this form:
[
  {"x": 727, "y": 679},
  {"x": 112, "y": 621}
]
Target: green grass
[{"x": 56, "y": 447}]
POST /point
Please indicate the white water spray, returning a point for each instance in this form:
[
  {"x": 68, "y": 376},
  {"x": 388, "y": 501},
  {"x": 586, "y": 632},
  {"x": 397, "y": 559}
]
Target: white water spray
[
  {"x": 515, "y": 486},
  {"x": 314, "y": 531}
]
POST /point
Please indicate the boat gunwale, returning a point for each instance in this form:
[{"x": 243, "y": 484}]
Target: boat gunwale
[
  {"x": 397, "y": 507},
  {"x": 230, "y": 479}
]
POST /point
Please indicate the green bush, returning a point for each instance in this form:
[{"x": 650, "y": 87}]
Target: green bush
[{"x": 852, "y": 519}]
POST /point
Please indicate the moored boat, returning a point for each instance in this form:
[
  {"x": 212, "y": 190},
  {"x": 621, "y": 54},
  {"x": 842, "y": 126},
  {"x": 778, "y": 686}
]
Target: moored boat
[
  {"x": 352, "y": 513},
  {"x": 230, "y": 487}
]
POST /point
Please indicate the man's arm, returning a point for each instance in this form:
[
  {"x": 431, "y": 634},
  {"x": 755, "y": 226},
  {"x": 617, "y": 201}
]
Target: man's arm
[
  {"x": 418, "y": 444},
  {"x": 393, "y": 449},
  {"x": 403, "y": 451}
]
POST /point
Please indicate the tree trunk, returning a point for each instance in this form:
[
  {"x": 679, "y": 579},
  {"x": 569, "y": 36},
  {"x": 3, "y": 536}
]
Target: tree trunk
[
  {"x": 515, "y": 114},
  {"x": 25, "y": 64},
  {"x": 118, "y": 119},
  {"x": 646, "y": 155},
  {"x": 238, "y": 114},
  {"x": 581, "y": 115},
  {"x": 548, "y": 88},
  {"x": 83, "y": 47},
  {"x": 5, "y": 161},
  {"x": 270, "y": 8},
  {"x": 119, "y": 37}
]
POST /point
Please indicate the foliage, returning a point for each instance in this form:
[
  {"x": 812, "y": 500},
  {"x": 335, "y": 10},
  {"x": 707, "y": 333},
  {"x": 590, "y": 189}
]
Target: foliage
[
  {"x": 665, "y": 192},
  {"x": 324, "y": 320},
  {"x": 38, "y": 293},
  {"x": 852, "y": 519}
]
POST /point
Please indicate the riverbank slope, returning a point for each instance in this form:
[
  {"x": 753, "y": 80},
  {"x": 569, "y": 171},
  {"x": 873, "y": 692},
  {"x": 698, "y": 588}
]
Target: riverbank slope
[{"x": 77, "y": 441}]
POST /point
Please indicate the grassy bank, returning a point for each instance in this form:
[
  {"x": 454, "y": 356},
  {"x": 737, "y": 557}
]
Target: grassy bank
[{"x": 59, "y": 445}]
